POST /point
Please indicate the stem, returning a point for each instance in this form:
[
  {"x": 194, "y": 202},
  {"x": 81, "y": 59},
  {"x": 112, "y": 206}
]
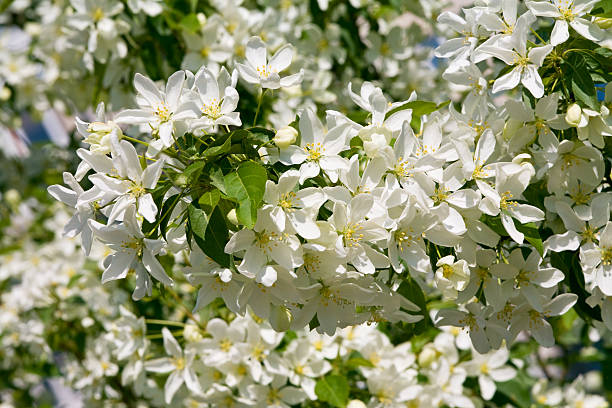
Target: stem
[
  {"x": 131, "y": 139},
  {"x": 537, "y": 35},
  {"x": 165, "y": 322},
  {"x": 160, "y": 335},
  {"x": 261, "y": 94},
  {"x": 186, "y": 309}
]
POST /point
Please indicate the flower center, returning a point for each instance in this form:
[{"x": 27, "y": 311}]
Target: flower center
[
  {"x": 135, "y": 245},
  {"x": 97, "y": 15},
  {"x": 136, "y": 190},
  {"x": 286, "y": 201},
  {"x": 440, "y": 195},
  {"x": 567, "y": 13},
  {"x": 469, "y": 321},
  {"x": 179, "y": 363},
  {"x": 163, "y": 112},
  {"x": 447, "y": 271},
  {"x": 588, "y": 234},
  {"x": 212, "y": 109},
  {"x": 520, "y": 60},
  {"x": 264, "y": 240},
  {"x": 311, "y": 262},
  {"x": 505, "y": 203},
  {"x": 402, "y": 168},
  {"x": 606, "y": 256},
  {"x": 225, "y": 345},
  {"x": 351, "y": 234},
  {"x": 523, "y": 278},
  {"x": 403, "y": 239},
  {"x": 265, "y": 71},
  {"x": 314, "y": 151}
]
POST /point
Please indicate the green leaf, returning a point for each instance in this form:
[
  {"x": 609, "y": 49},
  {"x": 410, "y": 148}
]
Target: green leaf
[
  {"x": 495, "y": 224},
  {"x": 198, "y": 221},
  {"x": 532, "y": 235},
  {"x": 419, "y": 108},
  {"x": 569, "y": 263},
  {"x": 218, "y": 150},
  {"x": 216, "y": 178},
  {"x": 210, "y": 233},
  {"x": 209, "y": 200},
  {"x": 602, "y": 9},
  {"x": 193, "y": 171},
  {"x": 333, "y": 389},
  {"x": 356, "y": 362},
  {"x": 517, "y": 391},
  {"x": 166, "y": 211},
  {"x": 216, "y": 238},
  {"x": 247, "y": 185},
  {"x": 582, "y": 83},
  {"x": 190, "y": 23}
]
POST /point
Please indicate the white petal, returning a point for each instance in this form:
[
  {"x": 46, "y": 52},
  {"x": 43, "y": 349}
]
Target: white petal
[
  {"x": 256, "y": 52},
  {"x": 173, "y": 383},
  {"x": 147, "y": 207},
  {"x": 532, "y": 81},
  {"x": 147, "y": 89},
  {"x": 282, "y": 58},
  {"x": 170, "y": 344},
  {"x": 508, "y": 81},
  {"x": 560, "y": 32}
]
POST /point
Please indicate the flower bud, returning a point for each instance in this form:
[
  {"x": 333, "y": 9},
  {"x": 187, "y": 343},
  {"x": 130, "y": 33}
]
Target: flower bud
[
  {"x": 356, "y": 404},
  {"x": 604, "y": 23},
  {"x": 232, "y": 217},
  {"x": 5, "y": 93},
  {"x": 191, "y": 333},
  {"x": 12, "y": 197},
  {"x": 573, "y": 115},
  {"x": 285, "y": 137},
  {"x": 280, "y": 318},
  {"x": 427, "y": 356}
]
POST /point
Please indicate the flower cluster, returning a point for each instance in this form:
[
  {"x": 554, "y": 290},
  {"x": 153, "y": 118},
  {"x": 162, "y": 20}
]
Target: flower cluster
[
  {"x": 66, "y": 56},
  {"x": 346, "y": 221},
  {"x": 122, "y": 357}
]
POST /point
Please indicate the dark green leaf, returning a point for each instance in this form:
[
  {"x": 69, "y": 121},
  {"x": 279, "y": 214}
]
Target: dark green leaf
[
  {"x": 582, "y": 84},
  {"x": 333, "y": 389},
  {"x": 193, "y": 171},
  {"x": 517, "y": 390},
  {"x": 166, "y": 211},
  {"x": 216, "y": 238},
  {"x": 532, "y": 235},
  {"x": 218, "y": 150},
  {"x": 198, "y": 221},
  {"x": 190, "y": 23},
  {"x": 209, "y": 200},
  {"x": 356, "y": 362},
  {"x": 247, "y": 185}
]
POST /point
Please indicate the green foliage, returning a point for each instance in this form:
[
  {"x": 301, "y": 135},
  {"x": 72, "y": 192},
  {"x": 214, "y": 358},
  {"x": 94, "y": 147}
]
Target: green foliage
[
  {"x": 247, "y": 185},
  {"x": 333, "y": 389}
]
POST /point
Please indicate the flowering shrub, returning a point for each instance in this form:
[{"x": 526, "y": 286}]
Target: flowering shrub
[{"x": 289, "y": 167}]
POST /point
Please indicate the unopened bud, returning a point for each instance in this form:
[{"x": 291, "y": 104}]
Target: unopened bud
[
  {"x": 5, "y": 93},
  {"x": 280, "y": 318},
  {"x": 573, "y": 115},
  {"x": 191, "y": 333},
  {"x": 12, "y": 197},
  {"x": 285, "y": 137},
  {"x": 427, "y": 356},
  {"x": 604, "y": 23},
  {"x": 232, "y": 217},
  {"x": 201, "y": 18},
  {"x": 356, "y": 404}
]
